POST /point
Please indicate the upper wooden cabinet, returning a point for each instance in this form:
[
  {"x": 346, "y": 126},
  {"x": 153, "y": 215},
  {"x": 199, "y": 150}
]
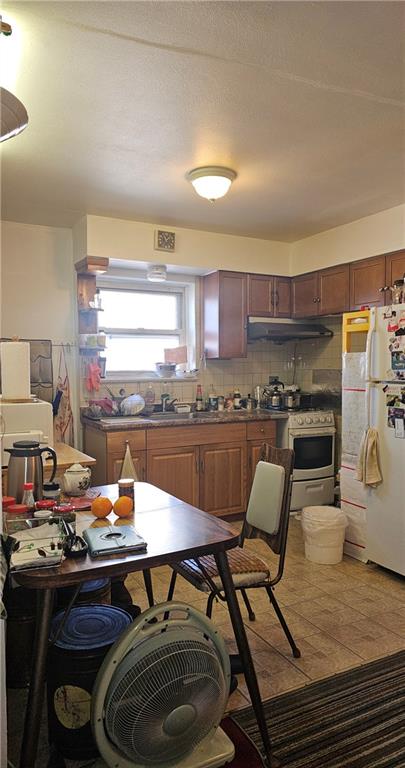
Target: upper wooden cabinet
[
  {"x": 268, "y": 296},
  {"x": 333, "y": 290},
  {"x": 224, "y": 314},
  {"x": 367, "y": 283},
  {"x": 304, "y": 295},
  {"x": 394, "y": 269},
  {"x": 325, "y": 292}
]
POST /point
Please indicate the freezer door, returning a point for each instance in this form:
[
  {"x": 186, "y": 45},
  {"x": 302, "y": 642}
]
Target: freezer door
[
  {"x": 386, "y": 503},
  {"x": 385, "y": 351}
]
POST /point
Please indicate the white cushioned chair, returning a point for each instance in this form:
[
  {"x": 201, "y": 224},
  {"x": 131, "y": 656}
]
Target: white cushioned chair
[{"x": 267, "y": 518}]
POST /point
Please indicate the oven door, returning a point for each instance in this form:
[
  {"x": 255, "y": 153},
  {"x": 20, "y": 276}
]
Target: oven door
[{"x": 314, "y": 451}]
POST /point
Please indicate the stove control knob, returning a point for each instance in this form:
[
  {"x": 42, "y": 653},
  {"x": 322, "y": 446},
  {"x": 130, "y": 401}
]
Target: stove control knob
[
  {"x": 328, "y": 419},
  {"x": 308, "y": 420},
  {"x": 316, "y": 419},
  {"x": 322, "y": 419},
  {"x": 299, "y": 420}
]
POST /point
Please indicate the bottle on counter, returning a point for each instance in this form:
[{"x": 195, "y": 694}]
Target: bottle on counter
[
  {"x": 237, "y": 399},
  {"x": 212, "y": 400},
  {"x": 221, "y": 403},
  {"x": 28, "y": 497},
  {"x": 249, "y": 403},
  {"x": 199, "y": 402}
]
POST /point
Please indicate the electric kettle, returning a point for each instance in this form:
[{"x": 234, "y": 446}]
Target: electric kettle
[{"x": 25, "y": 466}]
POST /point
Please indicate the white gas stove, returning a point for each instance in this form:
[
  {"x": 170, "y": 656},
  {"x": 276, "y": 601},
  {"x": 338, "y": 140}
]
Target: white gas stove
[{"x": 311, "y": 435}]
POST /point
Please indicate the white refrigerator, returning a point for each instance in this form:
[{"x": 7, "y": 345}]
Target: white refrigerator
[{"x": 385, "y": 410}]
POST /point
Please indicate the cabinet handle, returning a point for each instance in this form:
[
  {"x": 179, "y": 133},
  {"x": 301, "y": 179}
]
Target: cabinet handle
[
  {"x": 276, "y": 298},
  {"x": 385, "y": 288},
  {"x": 202, "y": 465},
  {"x": 197, "y": 465},
  {"x": 314, "y": 300},
  {"x": 318, "y": 300},
  {"x": 261, "y": 429},
  {"x": 143, "y": 473}
]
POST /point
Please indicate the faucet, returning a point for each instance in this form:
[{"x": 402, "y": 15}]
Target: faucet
[{"x": 164, "y": 398}]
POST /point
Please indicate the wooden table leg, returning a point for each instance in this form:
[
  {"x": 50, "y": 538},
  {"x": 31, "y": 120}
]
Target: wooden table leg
[
  {"x": 33, "y": 711},
  {"x": 245, "y": 655}
]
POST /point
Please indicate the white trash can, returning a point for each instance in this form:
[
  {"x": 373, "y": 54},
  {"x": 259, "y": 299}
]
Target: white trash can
[{"x": 324, "y": 533}]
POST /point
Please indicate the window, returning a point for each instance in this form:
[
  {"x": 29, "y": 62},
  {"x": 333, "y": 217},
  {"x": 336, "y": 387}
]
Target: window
[{"x": 140, "y": 324}]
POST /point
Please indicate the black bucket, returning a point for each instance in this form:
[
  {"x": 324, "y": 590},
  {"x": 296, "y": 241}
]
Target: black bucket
[
  {"x": 20, "y": 633},
  {"x": 73, "y": 663},
  {"x": 95, "y": 591}
]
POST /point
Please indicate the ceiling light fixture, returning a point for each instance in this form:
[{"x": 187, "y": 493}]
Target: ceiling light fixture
[
  {"x": 157, "y": 273},
  {"x": 211, "y": 181},
  {"x": 14, "y": 117}
]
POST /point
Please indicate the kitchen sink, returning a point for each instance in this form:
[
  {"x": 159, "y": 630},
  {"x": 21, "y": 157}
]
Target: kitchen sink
[{"x": 167, "y": 415}]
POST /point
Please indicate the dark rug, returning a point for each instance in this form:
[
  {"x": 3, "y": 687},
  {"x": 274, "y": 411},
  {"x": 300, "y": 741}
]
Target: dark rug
[{"x": 355, "y": 719}]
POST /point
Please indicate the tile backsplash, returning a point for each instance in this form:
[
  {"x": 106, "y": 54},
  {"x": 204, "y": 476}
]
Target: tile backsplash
[{"x": 313, "y": 364}]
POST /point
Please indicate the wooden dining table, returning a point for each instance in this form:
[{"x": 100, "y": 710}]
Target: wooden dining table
[{"x": 173, "y": 531}]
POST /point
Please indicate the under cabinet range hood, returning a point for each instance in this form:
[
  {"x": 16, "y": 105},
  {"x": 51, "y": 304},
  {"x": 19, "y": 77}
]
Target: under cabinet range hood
[{"x": 280, "y": 331}]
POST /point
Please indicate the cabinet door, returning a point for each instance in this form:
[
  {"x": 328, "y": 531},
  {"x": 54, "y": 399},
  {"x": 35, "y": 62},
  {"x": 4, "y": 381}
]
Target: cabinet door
[
  {"x": 175, "y": 471},
  {"x": 115, "y": 462},
  {"x": 232, "y": 314},
  {"x": 305, "y": 295},
  {"x": 223, "y": 478},
  {"x": 282, "y": 297},
  {"x": 395, "y": 269},
  {"x": 260, "y": 295},
  {"x": 333, "y": 290},
  {"x": 367, "y": 278},
  {"x": 254, "y": 448}
]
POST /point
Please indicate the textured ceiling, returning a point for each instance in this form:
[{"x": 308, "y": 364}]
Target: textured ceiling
[{"x": 306, "y": 101}]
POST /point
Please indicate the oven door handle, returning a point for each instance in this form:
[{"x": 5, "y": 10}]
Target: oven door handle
[{"x": 312, "y": 432}]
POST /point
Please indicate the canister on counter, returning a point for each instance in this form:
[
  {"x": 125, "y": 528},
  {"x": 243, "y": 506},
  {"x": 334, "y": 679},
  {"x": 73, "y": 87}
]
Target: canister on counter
[{"x": 126, "y": 487}]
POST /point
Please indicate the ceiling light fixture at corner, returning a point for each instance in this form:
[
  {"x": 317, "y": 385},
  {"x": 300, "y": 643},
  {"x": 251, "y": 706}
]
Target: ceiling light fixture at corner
[
  {"x": 211, "y": 181},
  {"x": 14, "y": 117},
  {"x": 157, "y": 273}
]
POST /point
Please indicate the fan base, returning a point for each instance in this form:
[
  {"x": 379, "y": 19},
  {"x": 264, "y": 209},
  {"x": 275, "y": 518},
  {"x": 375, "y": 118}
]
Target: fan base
[{"x": 212, "y": 752}]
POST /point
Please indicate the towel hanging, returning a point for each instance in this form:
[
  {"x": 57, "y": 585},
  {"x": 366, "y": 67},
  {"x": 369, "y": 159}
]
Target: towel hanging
[
  {"x": 368, "y": 464},
  {"x": 128, "y": 469}
]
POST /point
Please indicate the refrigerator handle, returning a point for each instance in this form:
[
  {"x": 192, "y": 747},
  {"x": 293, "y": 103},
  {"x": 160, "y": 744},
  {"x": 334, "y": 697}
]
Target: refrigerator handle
[
  {"x": 369, "y": 343},
  {"x": 367, "y": 404}
]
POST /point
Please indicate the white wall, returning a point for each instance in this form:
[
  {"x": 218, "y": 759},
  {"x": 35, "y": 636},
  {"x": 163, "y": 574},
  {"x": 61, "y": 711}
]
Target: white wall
[
  {"x": 38, "y": 291},
  {"x": 134, "y": 240},
  {"x": 381, "y": 233}
]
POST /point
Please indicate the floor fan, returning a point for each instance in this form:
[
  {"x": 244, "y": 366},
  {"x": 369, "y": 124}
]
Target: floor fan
[{"x": 161, "y": 693}]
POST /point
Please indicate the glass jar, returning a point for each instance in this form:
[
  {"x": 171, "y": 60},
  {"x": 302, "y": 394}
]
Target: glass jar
[
  {"x": 126, "y": 487},
  {"x": 16, "y": 517}
]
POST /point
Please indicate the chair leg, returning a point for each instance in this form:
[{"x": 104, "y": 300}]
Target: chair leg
[
  {"x": 210, "y": 601},
  {"x": 295, "y": 650},
  {"x": 171, "y": 586},
  {"x": 248, "y": 606}
]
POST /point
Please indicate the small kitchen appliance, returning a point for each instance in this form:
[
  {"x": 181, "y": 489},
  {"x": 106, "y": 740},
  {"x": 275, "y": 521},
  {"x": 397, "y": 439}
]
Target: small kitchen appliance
[
  {"x": 25, "y": 466},
  {"x": 32, "y": 420}
]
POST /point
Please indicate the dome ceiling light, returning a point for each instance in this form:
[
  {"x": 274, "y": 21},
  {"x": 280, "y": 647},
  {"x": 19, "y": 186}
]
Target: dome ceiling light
[{"x": 211, "y": 181}]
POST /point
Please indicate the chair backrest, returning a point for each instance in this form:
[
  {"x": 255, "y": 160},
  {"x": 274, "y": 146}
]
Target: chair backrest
[{"x": 268, "y": 512}]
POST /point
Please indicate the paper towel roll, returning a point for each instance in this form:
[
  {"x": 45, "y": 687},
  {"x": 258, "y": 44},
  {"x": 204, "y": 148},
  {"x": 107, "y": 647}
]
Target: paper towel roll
[{"x": 15, "y": 370}]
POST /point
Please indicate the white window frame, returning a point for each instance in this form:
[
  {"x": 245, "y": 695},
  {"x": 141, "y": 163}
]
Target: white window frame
[{"x": 186, "y": 320}]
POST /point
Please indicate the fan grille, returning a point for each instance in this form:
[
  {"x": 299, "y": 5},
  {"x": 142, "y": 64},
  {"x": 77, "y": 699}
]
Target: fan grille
[{"x": 160, "y": 706}]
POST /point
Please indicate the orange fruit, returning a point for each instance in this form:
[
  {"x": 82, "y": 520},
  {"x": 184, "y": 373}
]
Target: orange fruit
[
  {"x": 123, "y": 507},
  {"x": 101, "y": 507}
]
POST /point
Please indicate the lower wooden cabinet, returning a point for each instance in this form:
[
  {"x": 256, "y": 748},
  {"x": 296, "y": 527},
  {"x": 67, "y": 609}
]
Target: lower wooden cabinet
[
  {"x": 223, "y": 478},
  {"x": 176, "y": 471},
  {"x": 209, "y": 466},
  {"x": 115, "y": 462},
  {"x": 254, "y": 449}
]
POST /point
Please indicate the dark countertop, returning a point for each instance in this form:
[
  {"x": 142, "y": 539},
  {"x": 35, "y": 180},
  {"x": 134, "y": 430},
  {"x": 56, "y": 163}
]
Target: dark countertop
[{"x": 119, "y": 423}]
